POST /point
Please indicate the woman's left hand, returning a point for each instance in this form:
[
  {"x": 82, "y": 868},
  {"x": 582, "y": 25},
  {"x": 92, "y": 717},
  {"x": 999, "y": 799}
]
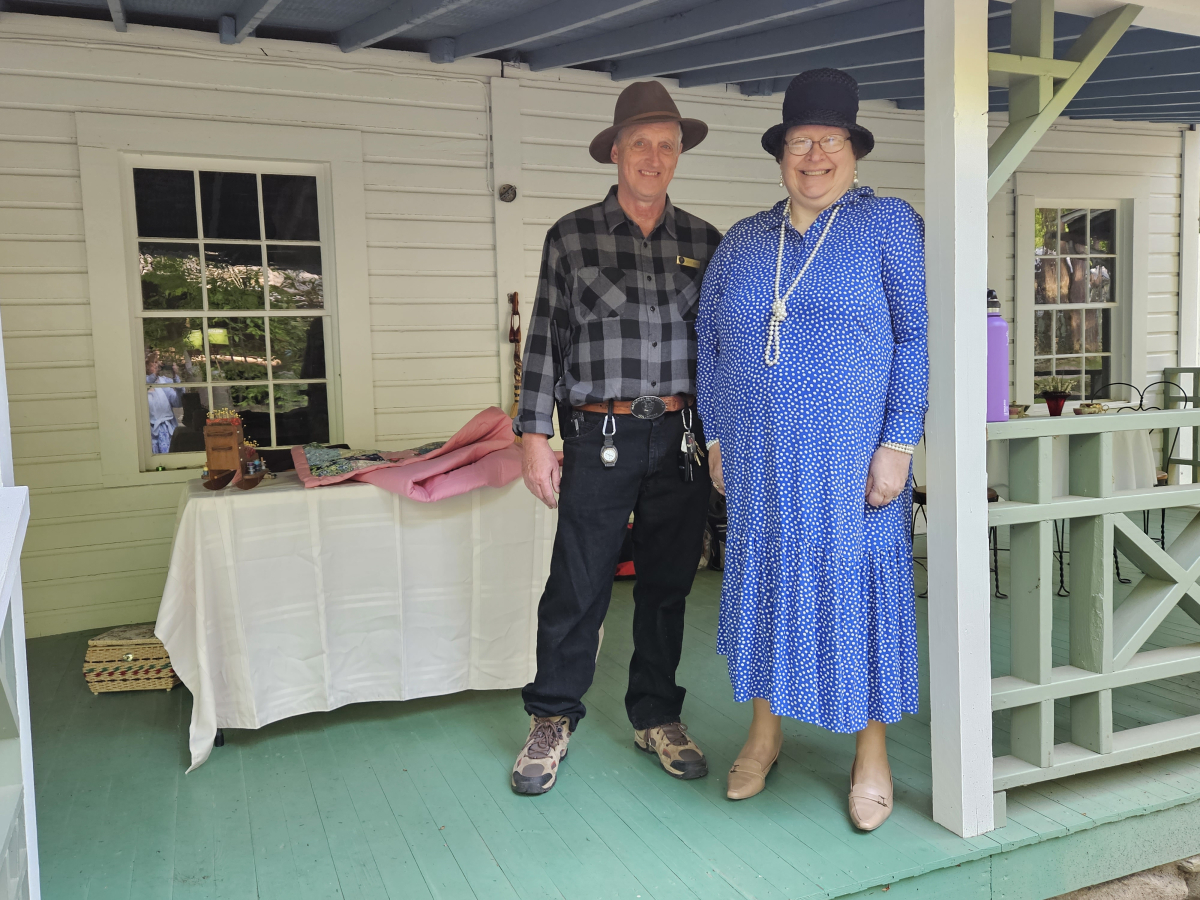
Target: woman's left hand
[{"x": 888, "y": 476}]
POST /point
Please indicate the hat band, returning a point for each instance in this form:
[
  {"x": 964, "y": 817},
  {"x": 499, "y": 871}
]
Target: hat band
[{"x": 664, "y": 116}]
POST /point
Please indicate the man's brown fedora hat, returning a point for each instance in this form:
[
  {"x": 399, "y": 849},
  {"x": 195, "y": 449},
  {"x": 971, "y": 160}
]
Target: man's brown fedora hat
[{"x": 641, "y": 102}]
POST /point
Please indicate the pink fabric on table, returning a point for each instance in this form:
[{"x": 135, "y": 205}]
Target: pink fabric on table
[
  {"x": 448, "y": 476},
  {"x": 481, "y": 454}
]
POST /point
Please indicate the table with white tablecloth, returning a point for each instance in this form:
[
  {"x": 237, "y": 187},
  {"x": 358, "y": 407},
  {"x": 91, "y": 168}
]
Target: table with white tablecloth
[{"x": 281, "y": 600}]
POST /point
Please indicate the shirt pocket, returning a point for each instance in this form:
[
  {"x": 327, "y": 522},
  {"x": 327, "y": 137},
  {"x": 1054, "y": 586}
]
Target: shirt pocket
[
  {"x": 687, "y": 293},
  {"x": 599, "y": 293}
]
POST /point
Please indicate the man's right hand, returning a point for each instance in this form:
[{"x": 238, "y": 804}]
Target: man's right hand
[{"x": 540, "y": 468}]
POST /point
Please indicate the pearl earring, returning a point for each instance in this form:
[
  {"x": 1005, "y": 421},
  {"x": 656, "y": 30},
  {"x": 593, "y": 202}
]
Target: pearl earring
[
  {"x": 781, "y": 179},
  {"x": 856, "y": 176}
]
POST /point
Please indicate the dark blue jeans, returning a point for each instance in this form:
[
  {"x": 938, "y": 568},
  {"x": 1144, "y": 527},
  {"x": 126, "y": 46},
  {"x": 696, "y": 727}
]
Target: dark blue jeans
[{"x": 593, "y": 512}]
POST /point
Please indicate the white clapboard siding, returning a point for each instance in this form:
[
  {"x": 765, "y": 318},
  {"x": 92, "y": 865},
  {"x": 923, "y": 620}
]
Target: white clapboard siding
[{"x": 97, "y": 555}]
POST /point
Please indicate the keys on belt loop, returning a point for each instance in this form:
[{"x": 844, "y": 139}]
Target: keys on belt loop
[
  {"x": 608, "y": 452},
  {"x": 689, "y": 449}
]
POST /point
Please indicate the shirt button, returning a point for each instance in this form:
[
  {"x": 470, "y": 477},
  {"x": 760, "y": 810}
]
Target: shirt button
[
  {"x": 652, "y": 309},
  {"x": 655, "y": 344},
  {"x": 654, "y": 384},
  {"x": 649, "y": 277}
]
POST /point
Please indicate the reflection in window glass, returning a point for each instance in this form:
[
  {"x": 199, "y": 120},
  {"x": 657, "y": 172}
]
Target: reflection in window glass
[
  {"x": 227, "y": 319},
  {"x": 1045, "y": 280},
  {"x": 165, "y": 201},
  {"x": 290, "y": 208},
  {"x": 1075, "y": 264},
  {"x": 234, "y": 274},
  {"x": 170, "y": 275},
  {"x": 1043, "y": 332},
  {"x": 174, "y": 348},
  {"x": 295, "y": 277},
  {"x": 297, "y": 347},
  {"x": 238, "y": 348},
  {"x": 253, "y": 405},
  {"x": 229, "y": 205},
  {"x": 177, "y": 416},
  {"x": 301, "y": 413}
]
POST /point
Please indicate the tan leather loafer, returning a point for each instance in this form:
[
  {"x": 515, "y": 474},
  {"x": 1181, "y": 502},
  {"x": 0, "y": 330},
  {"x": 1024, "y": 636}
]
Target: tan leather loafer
[
  {"x": 748, "y": 777},
  {"x": 868, "y": 808}
]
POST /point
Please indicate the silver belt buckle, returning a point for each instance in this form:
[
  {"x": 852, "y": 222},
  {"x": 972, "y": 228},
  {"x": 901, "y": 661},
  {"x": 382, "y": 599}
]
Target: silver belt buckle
[{"x": 648, "y": 407}]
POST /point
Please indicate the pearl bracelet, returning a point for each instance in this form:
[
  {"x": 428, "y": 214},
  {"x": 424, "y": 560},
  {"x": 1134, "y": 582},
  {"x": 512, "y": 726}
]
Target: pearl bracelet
[{"x": 900, "y": 448}]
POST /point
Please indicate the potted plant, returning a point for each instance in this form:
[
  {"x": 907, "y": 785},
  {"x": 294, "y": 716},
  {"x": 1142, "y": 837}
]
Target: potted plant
[{"x": 1055, "y": 389}]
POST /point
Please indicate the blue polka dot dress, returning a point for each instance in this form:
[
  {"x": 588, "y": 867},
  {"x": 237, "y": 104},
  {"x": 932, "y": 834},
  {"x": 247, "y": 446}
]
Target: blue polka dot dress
[{"x": 817, "y": 600}]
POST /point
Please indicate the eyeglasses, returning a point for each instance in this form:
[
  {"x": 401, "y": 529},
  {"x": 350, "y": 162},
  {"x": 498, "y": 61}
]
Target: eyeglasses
[{"x": 801, "y": 146}]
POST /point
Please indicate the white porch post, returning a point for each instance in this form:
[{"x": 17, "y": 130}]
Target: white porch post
[
  {"x": 1189, "y": 251},
  {"x": 956, "y": 174}
]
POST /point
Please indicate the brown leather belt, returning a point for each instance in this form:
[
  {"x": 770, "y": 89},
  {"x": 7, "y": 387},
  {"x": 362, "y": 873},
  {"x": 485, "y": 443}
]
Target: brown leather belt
[{"x": 643, "y": 407}]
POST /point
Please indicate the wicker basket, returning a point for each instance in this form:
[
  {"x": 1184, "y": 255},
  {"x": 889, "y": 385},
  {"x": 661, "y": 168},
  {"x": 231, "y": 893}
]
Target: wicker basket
[{"x": 129, "y": 658}]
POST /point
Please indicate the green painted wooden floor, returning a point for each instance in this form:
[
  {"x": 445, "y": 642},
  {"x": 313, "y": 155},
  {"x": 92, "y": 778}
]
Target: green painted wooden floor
[{"x": 410, "y": 800}]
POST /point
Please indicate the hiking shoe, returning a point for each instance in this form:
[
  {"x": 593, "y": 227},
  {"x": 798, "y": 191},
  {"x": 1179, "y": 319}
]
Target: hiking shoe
[
  {"x": 676, "y": 751},
  {"x": 536, "y": 767}
]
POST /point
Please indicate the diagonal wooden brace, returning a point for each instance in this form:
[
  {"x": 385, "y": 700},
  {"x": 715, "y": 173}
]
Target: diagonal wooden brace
[{"x": 1022, "y": 134}]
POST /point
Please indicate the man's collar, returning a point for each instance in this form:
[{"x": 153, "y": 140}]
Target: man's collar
[{"x": 614, "y": 215}]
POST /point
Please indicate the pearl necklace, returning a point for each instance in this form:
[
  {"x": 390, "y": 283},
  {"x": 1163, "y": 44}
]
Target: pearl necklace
[{"x": 779, "y": 307}]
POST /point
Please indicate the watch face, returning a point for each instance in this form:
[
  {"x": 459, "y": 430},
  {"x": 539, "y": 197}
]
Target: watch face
[{"x": 609, "y": 455}]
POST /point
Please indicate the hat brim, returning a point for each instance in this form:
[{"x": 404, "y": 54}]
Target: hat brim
[
  {"x": 694, "y": 131},
  {"x": 862, "y": 140}
]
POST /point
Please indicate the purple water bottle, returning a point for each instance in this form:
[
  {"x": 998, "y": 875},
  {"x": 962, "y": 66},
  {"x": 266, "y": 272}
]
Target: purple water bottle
[{"x": 997, "y": 361}]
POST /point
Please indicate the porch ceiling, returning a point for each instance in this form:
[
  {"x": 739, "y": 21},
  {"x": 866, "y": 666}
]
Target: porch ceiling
[{"x": 1151, "y": 75}]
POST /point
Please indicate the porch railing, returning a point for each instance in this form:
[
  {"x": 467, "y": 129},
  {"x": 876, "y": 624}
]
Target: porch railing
[{"x": 1105, "y": 641}]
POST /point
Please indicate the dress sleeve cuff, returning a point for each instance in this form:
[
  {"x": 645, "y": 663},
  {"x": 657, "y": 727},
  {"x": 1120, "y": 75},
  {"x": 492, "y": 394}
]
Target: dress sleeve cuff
[{"x": 902, "y": 429}]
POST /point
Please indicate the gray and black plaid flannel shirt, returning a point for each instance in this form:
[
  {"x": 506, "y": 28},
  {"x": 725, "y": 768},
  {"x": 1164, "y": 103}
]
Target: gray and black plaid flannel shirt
[{"x": 613, "y": 315}]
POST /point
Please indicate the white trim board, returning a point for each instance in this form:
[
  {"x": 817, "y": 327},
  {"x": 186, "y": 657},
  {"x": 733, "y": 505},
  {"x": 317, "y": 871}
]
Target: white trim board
[
  {"x": 106, "y": 145},
  {"x": 1131, "y": 195}
]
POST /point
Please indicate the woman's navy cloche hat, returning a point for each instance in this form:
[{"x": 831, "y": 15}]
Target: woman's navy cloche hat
[{"x": 820, "y": 97}]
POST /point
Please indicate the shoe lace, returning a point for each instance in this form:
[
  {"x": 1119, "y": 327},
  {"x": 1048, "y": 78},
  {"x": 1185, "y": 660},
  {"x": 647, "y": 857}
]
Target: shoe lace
[
  {"x": 544, "y": 738},
  {"x": 675, "y": 733}
]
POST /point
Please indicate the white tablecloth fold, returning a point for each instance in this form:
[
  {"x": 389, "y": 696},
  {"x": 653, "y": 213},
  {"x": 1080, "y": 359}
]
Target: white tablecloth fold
[{"x": 282, "y": 601}]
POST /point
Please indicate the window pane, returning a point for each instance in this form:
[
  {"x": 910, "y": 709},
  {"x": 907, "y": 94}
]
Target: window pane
[
  {"x": 1099, "y": 376},
  {"x": 1069, "y": 331},
  {"x": 290, "y": 208},
  {"x": 170, "y": 276},
  {"x": 297, "y": 347},
  {"x": 235, "y": 278},
  {"x": 1043, "y": 367},
  {"x": 301, "y": 414},
  {"x": 238, "y": 348},
  {"x": 1043, "y": 333},
  {"x": 177, "y": 418},
  {"x": 229, "y": 204},
  {"x": 1074, "y": 280},
  {"x": 252, "y": 402},
  {"x": 165, "y": 200},
  {"x": 1071, "y": 367},
  {"x": 1072, "y": 232},
  {"x": 296, "y": 277},
  {"x": 1045, "y": 231},
  {"x": 1103, "y": 269},
  {"x": 1097, "y": 335},
  {"x": 1045, "y": 281},
  {"x": 1103, "y": 231},
  {"x": 173, "y": 348}
]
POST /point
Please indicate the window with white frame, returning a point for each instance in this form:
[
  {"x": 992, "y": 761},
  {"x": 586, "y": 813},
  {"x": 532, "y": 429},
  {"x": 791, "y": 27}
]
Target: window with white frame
[
  {"x": 232, "y": 311},
  {"x": 1076, "y": 297}
]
